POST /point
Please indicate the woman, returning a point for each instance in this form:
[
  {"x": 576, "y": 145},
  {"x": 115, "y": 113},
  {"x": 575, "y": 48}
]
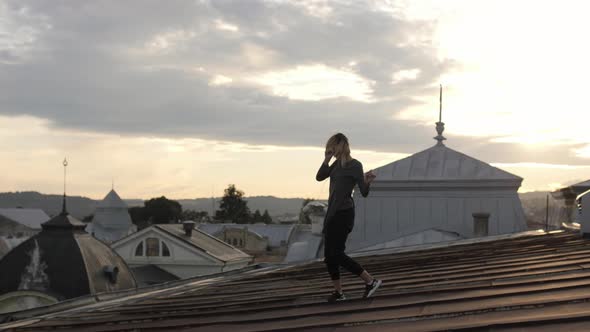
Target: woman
[{"x": 344, "y": 174}]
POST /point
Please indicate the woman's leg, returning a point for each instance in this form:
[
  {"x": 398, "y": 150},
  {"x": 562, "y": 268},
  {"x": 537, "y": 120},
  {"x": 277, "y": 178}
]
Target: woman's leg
[{"x": 337, "y": 230}]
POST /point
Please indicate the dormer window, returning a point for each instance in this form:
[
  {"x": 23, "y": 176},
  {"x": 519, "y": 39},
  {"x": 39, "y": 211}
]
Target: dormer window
[
  {"x": 165, "y": 250},
  {"x": 154, "y": 247},
  {"x": 139, "y": 249}
]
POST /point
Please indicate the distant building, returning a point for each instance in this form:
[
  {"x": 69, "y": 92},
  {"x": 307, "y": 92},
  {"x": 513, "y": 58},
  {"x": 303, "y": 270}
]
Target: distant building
[
  {"x": 111, "y": 219},
  {"x": 568, "y": 211},
  {"x": 179, "y": 252},
  {"x": 431, "y": 196},
  {"x": 306, "y": 243},
  {"x": 60, "y": 262},
  {"x": 266, "y": 242},
  {"x": 19, "y": 222}
]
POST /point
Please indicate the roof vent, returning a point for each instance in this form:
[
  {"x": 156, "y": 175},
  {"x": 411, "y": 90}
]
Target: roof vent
[
  {"x": 188, "y": 227},
  {"x": 111, "y": 273}
]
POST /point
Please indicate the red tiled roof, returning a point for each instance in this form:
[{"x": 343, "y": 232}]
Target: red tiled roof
[{"x": 528, "y": 283}]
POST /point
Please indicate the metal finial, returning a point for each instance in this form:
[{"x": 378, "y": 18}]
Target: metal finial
[
  {"x": 440, "y": 105},
  {"x": 440, "y": 126},
  {"x": 63, "y": 210}
]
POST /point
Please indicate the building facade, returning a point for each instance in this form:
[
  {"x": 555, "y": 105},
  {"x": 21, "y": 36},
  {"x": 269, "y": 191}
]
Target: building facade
[
  {"x": 182, "y": 253},
  {"x": 111, "y": 220},
  {"x": 436, "y": 191}
]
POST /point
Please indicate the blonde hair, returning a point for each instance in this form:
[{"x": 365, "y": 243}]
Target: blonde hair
[{"x": 338, "y": 143}]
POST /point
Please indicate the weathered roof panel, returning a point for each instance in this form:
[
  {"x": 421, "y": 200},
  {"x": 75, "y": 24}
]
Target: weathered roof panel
[
  {"x": 277, "y": 234},
  {"x": 441, "y": 163},
  {"x": 526, "y": 283},
  {"x": 205, "y": 242},
  {"x": 32, "y": 218}
]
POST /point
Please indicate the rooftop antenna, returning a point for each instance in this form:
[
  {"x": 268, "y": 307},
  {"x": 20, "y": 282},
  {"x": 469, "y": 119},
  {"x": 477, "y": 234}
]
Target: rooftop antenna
[
  {"x": 63, "y": 210},
  {"x": 112, "y": 183},
  {"x": 440, "y": 126}
]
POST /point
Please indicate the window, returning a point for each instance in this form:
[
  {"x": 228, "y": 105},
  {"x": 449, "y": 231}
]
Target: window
[
  {"x": 139, "y": 249},
  {"x": 241, "y": 243},
  {"x": 234, "y": 241},
  {"x": 165, "y": 250},
  {"x": 152, "y": 245}
]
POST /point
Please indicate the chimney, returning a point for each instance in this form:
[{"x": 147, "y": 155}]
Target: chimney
[
  {"x": 188, "y": 227},
  {"x": 480, "y": 224}
]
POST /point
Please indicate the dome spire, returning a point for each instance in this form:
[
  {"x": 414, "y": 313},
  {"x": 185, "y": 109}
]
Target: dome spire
[
  {"x": 63, "y": 210},
  {"x": 440, "y": 126}
]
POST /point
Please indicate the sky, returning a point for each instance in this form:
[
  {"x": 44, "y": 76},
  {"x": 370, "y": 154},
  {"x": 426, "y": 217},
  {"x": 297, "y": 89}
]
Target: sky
[{"x": 182, "y": 98}]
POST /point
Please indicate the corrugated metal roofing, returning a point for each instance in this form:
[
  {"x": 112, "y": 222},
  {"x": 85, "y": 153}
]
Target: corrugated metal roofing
[
  {"x": 441, "y": 163},
  {"x": 205, "y": 242},
  {"x": 32, "y": 218},
  {"x": 275, "y": 233},
  {"x": 528, "y": 283}
]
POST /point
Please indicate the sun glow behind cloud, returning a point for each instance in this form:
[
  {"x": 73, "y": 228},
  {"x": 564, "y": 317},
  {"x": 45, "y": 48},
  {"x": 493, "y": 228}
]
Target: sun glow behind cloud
[
  {"x": 522, "y": 69},
  {"x": 317, "y": 82}
]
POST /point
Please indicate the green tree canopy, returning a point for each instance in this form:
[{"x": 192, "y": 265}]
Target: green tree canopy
[
  {"x": 162, "y": 210},
  {"x": 256, "y": 217},
  {"x": 233, "y": 207},
  {"x": 266, "y": 217}
]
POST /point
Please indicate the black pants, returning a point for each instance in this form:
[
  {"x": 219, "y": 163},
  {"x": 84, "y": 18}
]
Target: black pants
[{"x": 335, "y": 233}]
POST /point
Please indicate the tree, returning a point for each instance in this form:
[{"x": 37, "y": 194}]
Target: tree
[
  {"x": 233, "y": 206},
  {"x": 162, "y": 210},
  {"x": 256, "y": 217},
  {"x": 304, "y": 218},
  {"x": 137, "y": 214},
  {"x": 266, "y": 217}
]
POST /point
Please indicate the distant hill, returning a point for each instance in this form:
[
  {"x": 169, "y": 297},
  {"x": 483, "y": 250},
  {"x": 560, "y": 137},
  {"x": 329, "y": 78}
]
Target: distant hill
[
  {"x": 533, "y": 203},
  {"x": 80, "y": 207}
]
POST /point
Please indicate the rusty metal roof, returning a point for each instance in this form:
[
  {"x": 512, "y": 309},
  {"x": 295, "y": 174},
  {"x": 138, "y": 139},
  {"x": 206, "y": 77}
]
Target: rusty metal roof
[{"x": 528, "y": 283}]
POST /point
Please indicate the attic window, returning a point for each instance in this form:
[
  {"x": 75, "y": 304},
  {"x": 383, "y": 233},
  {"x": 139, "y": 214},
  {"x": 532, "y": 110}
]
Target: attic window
[
  {"x": 165, "y": 250},
  {"x": 139, "y": 249},
  {"x": 152, "y": 245}
]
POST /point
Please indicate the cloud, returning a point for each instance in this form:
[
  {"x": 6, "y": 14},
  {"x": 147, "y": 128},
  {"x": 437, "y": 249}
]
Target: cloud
[
  {"x": 151, "y": 68},
  {"x": 216, "y": 70}
]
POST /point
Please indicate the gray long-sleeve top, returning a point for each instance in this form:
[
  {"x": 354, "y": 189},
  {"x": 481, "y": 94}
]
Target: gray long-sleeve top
[{"x": 342, "y": 181}]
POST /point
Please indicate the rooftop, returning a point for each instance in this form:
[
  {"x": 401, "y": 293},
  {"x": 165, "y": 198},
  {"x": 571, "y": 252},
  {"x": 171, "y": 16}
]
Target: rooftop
[
  {"x": 205, "y": 242},
  {"x": 32, "y": 218},
  {"x": 519, "y": 282},
  {"x": 277, "y": 234},
  {"x": 441, "y": 163}
]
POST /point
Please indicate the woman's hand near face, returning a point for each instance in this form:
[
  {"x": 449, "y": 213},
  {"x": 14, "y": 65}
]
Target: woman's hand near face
[{"x": 328, "y": 154}]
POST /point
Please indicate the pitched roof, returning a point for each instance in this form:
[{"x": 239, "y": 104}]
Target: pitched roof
[
  {"x": 151, "y": 274},
  {"x": 205, "y": 242},
  {"x": 275, "y": 233},
  {"x": 32, "y": 218},
  {"x": 521, "y": 282},
  {"x": 441, "y": 163},
  {"x": 112, "y": 200},
  {"x": 581, "y": 186}
]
